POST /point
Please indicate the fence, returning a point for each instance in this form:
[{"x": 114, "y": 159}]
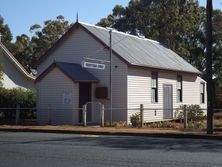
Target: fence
[
  {"x": 179, "y": 118},
  {"x": 191, "y": 117},
  {"x": 18, "y": 115}
]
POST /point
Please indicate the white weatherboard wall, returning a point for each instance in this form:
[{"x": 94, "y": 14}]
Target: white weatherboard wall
[
  {"x": 80, "y": 44},
  {"x": 139, "y": 91},
  {"x": 50, "y": 107},
  {"x": 12, "y": 77}
]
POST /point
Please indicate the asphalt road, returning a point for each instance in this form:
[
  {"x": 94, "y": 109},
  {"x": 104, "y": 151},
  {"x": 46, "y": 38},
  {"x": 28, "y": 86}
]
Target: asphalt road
[{"x": 61, "y": 150}]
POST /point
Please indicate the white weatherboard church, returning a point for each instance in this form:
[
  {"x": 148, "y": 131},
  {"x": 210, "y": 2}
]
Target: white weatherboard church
[{"x": 143, "y": 72}]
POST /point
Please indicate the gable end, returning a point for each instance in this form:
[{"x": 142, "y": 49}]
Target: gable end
[{"x": 60, "y": 41}]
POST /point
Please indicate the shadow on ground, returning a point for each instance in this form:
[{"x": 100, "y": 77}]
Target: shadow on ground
[
  {"x": 127, "y": 142},
  {"x": 164, "y": 144}
]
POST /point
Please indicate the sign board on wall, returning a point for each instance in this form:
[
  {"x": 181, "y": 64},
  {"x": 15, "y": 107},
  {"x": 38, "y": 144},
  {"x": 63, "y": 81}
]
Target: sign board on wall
[{"x": 93, "y": 65}]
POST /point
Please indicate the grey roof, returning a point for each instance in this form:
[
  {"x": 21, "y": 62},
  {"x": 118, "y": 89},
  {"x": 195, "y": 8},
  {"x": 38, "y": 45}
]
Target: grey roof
[
  {"x": 76, "y": 72},
  {"x": 141, "y": 51}
]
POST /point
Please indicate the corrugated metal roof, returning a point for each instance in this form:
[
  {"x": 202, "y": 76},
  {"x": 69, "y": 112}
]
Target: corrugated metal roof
[
  {"x": 76, "y": 72},
  {"x": 141, "y": 51}
]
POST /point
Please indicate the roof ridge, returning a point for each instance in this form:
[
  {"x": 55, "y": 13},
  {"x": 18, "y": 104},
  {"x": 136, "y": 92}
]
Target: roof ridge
[{"x": 120, "y": 32}]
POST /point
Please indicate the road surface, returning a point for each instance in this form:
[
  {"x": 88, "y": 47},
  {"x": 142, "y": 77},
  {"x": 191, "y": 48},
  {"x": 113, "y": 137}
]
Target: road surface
[{"x": 63, "y": 150}]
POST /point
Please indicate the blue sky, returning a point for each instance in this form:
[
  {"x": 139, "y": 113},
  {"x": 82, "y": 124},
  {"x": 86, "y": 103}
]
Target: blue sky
[{"x": 21, "y": 14}]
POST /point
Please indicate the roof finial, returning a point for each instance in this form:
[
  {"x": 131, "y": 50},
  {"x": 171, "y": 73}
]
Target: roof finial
[{"x": 77, "y": 17}]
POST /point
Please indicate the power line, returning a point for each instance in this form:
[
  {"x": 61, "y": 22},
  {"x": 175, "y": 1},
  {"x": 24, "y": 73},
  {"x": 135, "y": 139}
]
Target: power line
[
  {"x": 89, "y": 55},
  {"x": 120, "y": 40}
]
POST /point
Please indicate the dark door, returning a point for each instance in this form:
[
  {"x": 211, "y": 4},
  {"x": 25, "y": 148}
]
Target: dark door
[
  {"x": 167, "y": 102},
  {"x": 84, "y": 97}
]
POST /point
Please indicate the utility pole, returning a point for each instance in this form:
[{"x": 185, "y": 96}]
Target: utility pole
[
  {"x": 110, "y": 77},
  {"x": 209, "y": 69}
]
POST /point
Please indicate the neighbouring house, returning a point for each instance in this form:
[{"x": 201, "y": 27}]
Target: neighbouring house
[
  {"x": 14, "y": 74},
  {"x": 143, "y": 72}
]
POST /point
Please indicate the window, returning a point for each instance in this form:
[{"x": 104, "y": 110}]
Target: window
[
  {"x": 202, "y": 92},
  {"x": 179, "y": 89},
  {"x": 154, "y": 86}
]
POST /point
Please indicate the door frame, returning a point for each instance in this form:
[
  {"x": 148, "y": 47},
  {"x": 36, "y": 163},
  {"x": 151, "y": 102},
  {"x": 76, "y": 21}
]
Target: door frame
[
  {"x": 171, "y": 85},
  {"x": 90, "y": 99}
]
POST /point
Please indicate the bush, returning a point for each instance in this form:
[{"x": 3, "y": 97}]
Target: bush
[
  {"x": 194, "y": 112},
  {"x": 195, "y": 116},
  {"x": 9, "y": 98},
  {"x": 197, "y": 125},
  {"x": 135, "y": 120}
]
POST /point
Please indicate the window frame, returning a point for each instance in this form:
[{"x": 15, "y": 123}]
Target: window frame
[
  {"x": 180, "y": 99},
  {"x": 202, "y": 93},
  {"x": 155, "y": 98}
]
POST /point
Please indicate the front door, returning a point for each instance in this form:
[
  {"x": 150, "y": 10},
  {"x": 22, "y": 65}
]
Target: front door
[
  {"x": 84, "y": 97},
  {"x": 167, "y": 101}
]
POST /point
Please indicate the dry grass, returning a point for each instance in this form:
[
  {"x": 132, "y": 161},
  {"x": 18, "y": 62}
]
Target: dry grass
[
  {"x": 177, "y": 124},
  {"x": 218, "y": 115},
  {"x": 164, "y": 124},
  {"x": 218, "y": 120}
]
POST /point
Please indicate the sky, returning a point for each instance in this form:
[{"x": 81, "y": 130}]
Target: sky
[{"x": 21, "y": 14}]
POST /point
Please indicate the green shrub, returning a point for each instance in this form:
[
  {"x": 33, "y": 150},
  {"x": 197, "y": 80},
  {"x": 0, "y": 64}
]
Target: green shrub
[
  {"x": 135, "y": 120},
  {"x": 194, "y": 112},
  {"x": 11, "y": 97},
  {"x": 195, "y": 116},
  {"x": 197, "y": 125}
]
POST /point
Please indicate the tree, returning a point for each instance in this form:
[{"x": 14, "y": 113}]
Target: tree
[
  {"x": 6, "y": 35},
  {"x": 217, "y": 42},
  {"x": 176, "y": 26},
  {"x": 22, "y": 50},
  {"x": 44, "y": 37},
  {"x": 216, "y": 57},
  {"x": 28, "y": 50}
]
